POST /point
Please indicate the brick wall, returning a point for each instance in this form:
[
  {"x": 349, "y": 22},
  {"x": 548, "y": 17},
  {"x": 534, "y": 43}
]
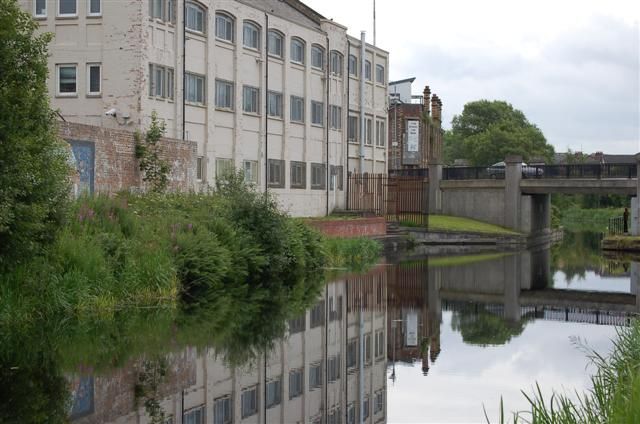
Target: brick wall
[
  {"x": 349, "y": 228},
  {"x": 115, "y": 166}
]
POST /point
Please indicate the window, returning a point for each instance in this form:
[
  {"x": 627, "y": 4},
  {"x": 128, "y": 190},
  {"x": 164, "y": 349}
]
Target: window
[
  {"x": 335, "y": 310},
  {"x": 224, "y": 94},
  {"x": 335, "y": 120},
  {"x": 333, "y": 366},
  {"x": 317, "y": 312},
  {"x": 334, "y": 416},
  {"x": 368, "y": 127},
  {"x": 315, "y": 376},
  {"x": 297, "y": 50},
  {"x": 222, "y": 410},
  {"x": 298, "y": 324},
  {"x": 352, "y": 129},
  {"x": 336, "y": 63},
  {"x": 367, "y": 70},
  {"x": 297, "y": 109},
  {"x": 67, "y": 8},
  {"x": 379, "y": 402},
  {"x": 298, "y": 174},
  {"x": 379, "y": 348},
  {"x": 274, "y": 392},
  {"x": 200, "y": 168},
  {"x": 250, "y": 99},
  {"x": 274, "y": 43},
  {"x": 353, "y": 65},
  {"x": 94, "y": 8},
  {"x": 224, "y": 27},
  {"x": 317, "y": 56},
  {"x": 250, "y": 168},
  {"x": 224, "y": 167},
  {"x": 94, "y": 81},
  {"x": 160, "y": 81},
  {"x": 352, "y": 353},
  {"x": 317, "y": 113},
  {"x": 251, "y": 35},
  {"x": 296, "y": 383},
  {"x": 194, "y": 88},
  {"x": 380, "y": 74},
  {"x": 340, "y": 183},
  {"x": 163, "y": 10},
  {"x": 381, "y": 134},
  {"x": 367, "y": 348},
  {"x": 67, "y": 80},
  {"x": 351, "y": 413},
  {"x": 194, "y": 416},
  {"x": 249, "y": 401},
  {"x": 318, "y": 182},
  {"x": 40, "y": 8},
  {"x": 365, "y": 408},
  {"x": 274, "y": 104},
  {"x": 196, "y": 18},
  {"x": 276, "y": 173}
]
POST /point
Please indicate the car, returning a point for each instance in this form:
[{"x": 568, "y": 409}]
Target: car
[{"x": 497, "y": 170}]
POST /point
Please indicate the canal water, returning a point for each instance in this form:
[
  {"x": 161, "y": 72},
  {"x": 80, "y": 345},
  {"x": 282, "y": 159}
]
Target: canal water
[{"x": 419, "y": 340}]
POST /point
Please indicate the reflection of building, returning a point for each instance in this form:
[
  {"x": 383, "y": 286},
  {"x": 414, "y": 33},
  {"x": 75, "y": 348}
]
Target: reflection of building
[{"x": 331, "y": 368}]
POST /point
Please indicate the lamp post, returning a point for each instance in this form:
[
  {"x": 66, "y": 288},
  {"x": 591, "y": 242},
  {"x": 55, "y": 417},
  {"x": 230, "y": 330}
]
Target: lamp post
[{"x": 393, "y": 363}]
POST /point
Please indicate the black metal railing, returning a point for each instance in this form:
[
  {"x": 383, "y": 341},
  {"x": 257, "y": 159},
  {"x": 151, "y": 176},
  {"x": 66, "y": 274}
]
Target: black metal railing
[
  {"x": 587, "y": 171},
  {"x": 616, "y": 225},
  {"x": 410, "y": 172}
]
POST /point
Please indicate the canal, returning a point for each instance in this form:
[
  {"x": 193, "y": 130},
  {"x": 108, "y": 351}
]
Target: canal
[{"x": 421, "y": 339}]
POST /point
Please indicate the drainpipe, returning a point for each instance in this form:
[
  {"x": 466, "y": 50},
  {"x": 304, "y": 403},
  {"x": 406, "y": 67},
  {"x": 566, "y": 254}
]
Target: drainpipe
[
  {"x": 328, "y": 111},
  {"x": 362, "y": 120},
  {"x": 266, "y": 106},
  {"x": 345, "y": 130},
  {"x": 184, "y": 68}
]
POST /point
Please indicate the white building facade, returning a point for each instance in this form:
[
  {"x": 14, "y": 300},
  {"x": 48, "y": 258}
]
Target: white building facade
[{"x": 269, "y": 87}]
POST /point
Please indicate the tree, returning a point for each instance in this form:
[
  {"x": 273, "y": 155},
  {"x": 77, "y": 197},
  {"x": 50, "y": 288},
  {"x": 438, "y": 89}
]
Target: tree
[
  {"x": 487, "y": 131},
  {"x": 155, "y": 169},
  {"x": 34, "y": 170}
]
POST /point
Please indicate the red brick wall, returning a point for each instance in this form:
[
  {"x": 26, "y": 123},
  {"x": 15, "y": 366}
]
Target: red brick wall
[
  {"x": 116, "y": 167},
  {"x": 349, "y": 228}
]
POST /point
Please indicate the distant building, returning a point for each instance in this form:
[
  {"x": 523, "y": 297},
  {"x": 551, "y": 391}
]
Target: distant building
[{"x": 415, "y": 126}]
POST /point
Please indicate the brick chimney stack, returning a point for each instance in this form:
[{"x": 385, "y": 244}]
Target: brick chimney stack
[
  {"x": 426, "y": 99},
  {"x": 435, "y": 108}
]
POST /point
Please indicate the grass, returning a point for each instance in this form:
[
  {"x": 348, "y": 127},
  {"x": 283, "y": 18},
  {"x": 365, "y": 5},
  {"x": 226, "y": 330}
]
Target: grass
[
  {"x": 448, "y": 261},
  {"x": 465, "y": 225},
  {"x": 614, "y": 397},
  {"x": 619, "y": 242},
  {"x": 351, "y": 253},
  {"x": 597, "y": 220}
]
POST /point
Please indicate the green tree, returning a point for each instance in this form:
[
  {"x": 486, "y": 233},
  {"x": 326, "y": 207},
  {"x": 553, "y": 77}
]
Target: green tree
[
  {"x": 34, "y": 170},
  {"x": 155, "y": 169},
  {"x": 487, "y": 131}
]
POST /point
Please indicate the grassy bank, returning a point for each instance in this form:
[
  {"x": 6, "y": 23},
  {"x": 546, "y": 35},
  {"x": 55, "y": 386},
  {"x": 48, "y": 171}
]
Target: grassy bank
[
  {"x": 354, "y": 254},
  {"x": 614, "y": 398},
  {"x": 623, "y": 243},
  {"x": 464, "y": 225}
]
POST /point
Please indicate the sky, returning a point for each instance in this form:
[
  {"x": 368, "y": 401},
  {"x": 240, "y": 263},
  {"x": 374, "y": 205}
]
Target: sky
[{"x": 573, "y": 67}]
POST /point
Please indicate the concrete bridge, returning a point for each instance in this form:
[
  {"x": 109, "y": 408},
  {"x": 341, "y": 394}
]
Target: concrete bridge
[{"x": 519, "y": 198}]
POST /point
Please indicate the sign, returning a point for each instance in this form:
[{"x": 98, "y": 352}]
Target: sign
[
  {"x": 411, "y": 336},
  {"x": 413, "y": 135}
]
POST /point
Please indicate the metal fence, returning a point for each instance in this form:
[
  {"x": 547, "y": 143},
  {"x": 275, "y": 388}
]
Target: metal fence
[
  {"x": 616, "y": 225},
  {"x": 472, "y": 173},
  {"x": 589, "y": 171},
  {"x": 409, "y": 172},
  {"x": 397, "y": 198}
]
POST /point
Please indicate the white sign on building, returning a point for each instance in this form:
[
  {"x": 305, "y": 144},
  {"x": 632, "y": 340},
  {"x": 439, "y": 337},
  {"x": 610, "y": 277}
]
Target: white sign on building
[
  {"x": 411, "y": 336},
  {"x": 413, "y": 135}
]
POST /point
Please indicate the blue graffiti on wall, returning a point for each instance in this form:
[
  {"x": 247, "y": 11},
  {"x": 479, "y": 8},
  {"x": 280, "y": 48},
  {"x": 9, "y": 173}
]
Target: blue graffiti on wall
[
  {"x": 81, "y": 397},
  {"x": 84, "y": 162}
]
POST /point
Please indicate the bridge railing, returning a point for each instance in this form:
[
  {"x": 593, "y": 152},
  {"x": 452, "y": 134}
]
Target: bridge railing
[
  {"x": 616, "y": 225},
  {"x": 472, "y": 173},
  {"x": 588, "y": 171},
  {"x": 414, "y": 172}
]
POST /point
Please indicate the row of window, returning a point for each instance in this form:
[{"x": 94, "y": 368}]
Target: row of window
[
  {"x": 298, "y": 324},
  {"x": 67, "y": 79},
  {"x": 67, "y": 8},
  {"x": 353, "y": 69},
  {"x": 353, "y": 131},
  {"x": 353, "y": 349}
]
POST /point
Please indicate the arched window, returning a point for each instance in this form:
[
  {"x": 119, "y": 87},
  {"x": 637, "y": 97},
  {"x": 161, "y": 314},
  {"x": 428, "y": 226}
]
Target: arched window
[
  {"x": 251, "y": 35},
  {"x": 224, "y": 26},
  {"x": 353, "y": 65},
  {"x": 297, "y": 50},
  {"x": 367, "y": 70},
  {"x": 275, "y": 43},
  {"x": 196, "y": 17},
  {"x": 317, "y": 56},
  {"x": 336, "y": 62}
]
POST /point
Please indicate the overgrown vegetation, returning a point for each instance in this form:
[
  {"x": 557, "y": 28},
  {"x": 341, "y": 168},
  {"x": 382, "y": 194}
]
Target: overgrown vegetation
[
  {"x": 613, "y": 399},
  {"x": 33, "y": 161},
  {"x": 155, "y": 169},
  {"x": 355, "y": 253},
  {"x": 586, "y": 212}
]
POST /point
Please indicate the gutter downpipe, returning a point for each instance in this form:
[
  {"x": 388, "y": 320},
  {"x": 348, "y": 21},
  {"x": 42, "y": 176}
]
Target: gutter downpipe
[
  {"x": 266, "y": 106},
  {"x": 362, "y": 86},
  {"x": 328, "y": 112},
  {"x": 184, "y": 68},
  {"x": 345, "y": 131}
]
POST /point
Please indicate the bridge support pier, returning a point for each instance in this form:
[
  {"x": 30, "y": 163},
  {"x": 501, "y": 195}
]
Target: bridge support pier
[
  {"x": 435, "y": 194},
  {"x": 512, "y": 275},
  {"x": 635, "y": 283},
  {"x": 512, "y": 193}
]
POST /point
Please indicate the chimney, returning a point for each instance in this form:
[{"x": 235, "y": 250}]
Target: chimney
[
  {"x": 435, "y": 108},
  {"x": 426, "y": 99}
]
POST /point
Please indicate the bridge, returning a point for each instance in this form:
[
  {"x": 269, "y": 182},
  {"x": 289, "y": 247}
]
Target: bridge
[{"x": 518, "y": 197}]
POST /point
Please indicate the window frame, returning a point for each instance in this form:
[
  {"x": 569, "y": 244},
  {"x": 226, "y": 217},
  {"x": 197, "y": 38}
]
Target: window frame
[
  {"x": 381, "y": 134},
  {"x": 296, "y": 101},
  {"x": 367, "y": 70},
  {"x": 279, "y": 104},
  {"x": 353, "y": 128},
  {"x": 59, "y": 92},
  {"x": 315, "y": 376},
  {"x": 256, "y": 401},
  {"x": 254, "y": 170},
  {"x": 168, "y": 83},
  {"x": 380, "y": 70},
  {"x": 231, "y": 85},
  {"x": 303, "y": 48},
  {"x": 224, "y": 167},
  {"x": 336, "y": 63},
  {"x": 231, "y": 21},
  {"x": 201, "y": 409},
  {"x": 321, "y": 169},
  {"x": 199, "y": 8},
  {"x": 191, "y": 78},
  {"x": 335, "y": 121},
  {"x": 319, "y": 52},
  {"x": 258, "y": 31},
  {"x": 280, "y": 36},
  {"x": 255, "y": 92},
  {"x": 280, "y": 182},
  {"x": 229, "y": 402},
  {"x": 315, "y": 108},
  {"x": 199, "y": 168},
  {"x": 89, "y": 92},
  {"x": 353, "y": 66},
  {"x": 368, "y": 128},
  {"x": 94, "y": 14},
  {"x": 296, "y": 376},
  {"x": 278, "y": 397},
  {"x": 293, "y": 167},
  {"x": 59, "y": 14},
  {"x": 35, "y": 10}
]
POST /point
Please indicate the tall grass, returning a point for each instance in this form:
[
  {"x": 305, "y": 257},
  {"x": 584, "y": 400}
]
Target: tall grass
[
  {"x": 351, "y": 253},
  {"x": 614, "y": 397}
]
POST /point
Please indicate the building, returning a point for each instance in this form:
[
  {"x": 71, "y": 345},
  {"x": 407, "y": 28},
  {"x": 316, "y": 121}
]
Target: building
[
  {"x": 415, "y": 135},
  {"x": 271, "y": 87}
]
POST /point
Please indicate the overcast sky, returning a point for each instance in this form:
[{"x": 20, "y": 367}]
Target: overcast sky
[{"x": 571, "y": 66}]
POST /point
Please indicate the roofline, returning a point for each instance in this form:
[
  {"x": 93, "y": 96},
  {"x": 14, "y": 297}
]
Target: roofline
[
  {"x": 305, "y": 10},
  {"x": 412, "y": 79},
  {"x": 351, "y": 38}
]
